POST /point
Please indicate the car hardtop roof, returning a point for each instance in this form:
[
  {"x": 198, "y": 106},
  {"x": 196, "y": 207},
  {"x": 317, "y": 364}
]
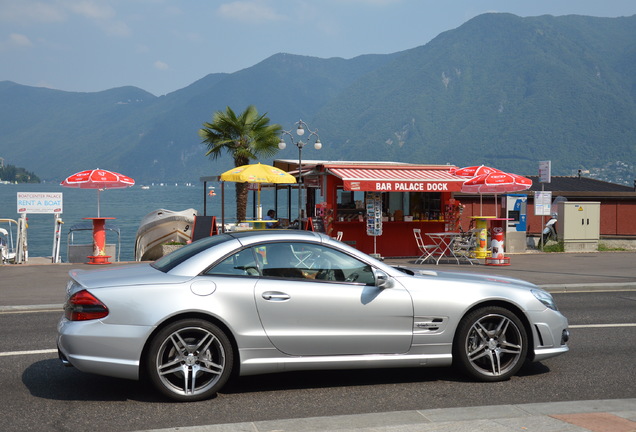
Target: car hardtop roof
[{"x": 282, "y": 234}]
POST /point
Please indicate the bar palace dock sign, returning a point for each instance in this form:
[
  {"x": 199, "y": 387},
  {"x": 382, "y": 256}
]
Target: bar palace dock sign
[{"x": 397, "y": 178}]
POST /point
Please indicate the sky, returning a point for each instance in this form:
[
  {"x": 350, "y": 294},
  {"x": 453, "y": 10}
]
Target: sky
[{"x": 165, "y": 45}]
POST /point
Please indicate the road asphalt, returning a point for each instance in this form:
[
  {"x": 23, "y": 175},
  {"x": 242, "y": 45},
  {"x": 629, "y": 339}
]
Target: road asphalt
[{"x": 39, "y": 285}]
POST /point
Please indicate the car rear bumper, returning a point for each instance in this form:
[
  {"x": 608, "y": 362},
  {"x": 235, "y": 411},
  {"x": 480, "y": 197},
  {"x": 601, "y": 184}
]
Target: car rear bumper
[{"x": 95, "y": 347}]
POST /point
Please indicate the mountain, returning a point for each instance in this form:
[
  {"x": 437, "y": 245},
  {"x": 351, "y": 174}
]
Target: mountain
[{"x": 499, "y": 90}]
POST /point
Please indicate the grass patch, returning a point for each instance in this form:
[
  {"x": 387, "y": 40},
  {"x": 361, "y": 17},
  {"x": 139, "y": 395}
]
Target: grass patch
[
  {"x": 602, "y": 247},
  {"x": 554, "y": 247}
]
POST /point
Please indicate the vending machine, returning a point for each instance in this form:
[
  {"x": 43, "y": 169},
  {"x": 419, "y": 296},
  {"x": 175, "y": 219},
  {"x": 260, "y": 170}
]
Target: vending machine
[{"x": 516, "y": 226}]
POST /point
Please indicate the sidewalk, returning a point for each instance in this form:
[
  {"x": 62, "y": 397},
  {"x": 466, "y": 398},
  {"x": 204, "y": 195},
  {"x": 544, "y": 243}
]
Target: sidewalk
[{"x": 617, "y": 415}]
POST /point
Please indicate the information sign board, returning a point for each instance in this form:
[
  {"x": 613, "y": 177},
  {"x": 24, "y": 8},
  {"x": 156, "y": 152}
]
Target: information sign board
[
  {"x": 545, "y": 171},
  {"x": 39, "y": 202},
  {"x": 543, "y": 203}
]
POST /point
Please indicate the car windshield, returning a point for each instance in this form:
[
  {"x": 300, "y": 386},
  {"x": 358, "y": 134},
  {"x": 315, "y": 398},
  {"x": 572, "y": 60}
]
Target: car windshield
[{"x": 170, "y": 261}]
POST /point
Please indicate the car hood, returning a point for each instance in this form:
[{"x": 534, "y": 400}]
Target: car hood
[
  {"x": 135, "y": 274},
  {"x": 486, "y": 279}
]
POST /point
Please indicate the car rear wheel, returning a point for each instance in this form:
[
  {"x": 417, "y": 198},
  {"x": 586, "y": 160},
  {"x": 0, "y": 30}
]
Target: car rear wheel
[
  {"x": 190, "y": 360},
  {"x": 491, "y": 344}
]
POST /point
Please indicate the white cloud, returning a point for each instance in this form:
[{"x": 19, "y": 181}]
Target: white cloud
[
  {"x": 27, "y": 12},
  {"x": 116, "y": 28},
  {"x": 249, "y": 11},
  {"x": 91, "y": 9},
  {"x": 20, "y": 40},
  {"x": 161, "y": 65},
  {"x": 16, "y": 40}
]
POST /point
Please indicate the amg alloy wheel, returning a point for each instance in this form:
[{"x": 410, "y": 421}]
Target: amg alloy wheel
[
  {"x": 491, "y": 344},
  {"x": 190, "y": 360}
]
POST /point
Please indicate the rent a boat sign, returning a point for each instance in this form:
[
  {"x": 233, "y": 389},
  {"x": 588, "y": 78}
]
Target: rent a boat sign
[{"x": 40, "y": 202}]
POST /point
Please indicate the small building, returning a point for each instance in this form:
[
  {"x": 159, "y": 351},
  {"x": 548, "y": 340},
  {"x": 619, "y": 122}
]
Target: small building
[{"x": 618, "y": 204}]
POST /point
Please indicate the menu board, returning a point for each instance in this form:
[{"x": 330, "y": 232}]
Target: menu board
[{"x": 374, "y": 213}]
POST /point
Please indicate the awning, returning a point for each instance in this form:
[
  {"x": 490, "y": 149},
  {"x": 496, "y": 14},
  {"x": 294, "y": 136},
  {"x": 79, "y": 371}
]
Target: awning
[{"x": 398, "y": 179}]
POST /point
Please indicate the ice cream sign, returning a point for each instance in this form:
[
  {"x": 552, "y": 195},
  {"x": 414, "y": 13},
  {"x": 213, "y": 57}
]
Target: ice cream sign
[{"x": 40, "y": 202}]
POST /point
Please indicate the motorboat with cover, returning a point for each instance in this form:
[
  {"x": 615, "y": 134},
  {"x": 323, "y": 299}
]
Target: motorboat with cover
[{"x": 160, "y": 227}]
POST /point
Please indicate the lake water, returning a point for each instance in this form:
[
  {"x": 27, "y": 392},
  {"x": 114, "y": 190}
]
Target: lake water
[{"x": 128, "y": 206}]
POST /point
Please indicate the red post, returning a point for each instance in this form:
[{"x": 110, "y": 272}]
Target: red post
[{"x": 99, "y": 242}]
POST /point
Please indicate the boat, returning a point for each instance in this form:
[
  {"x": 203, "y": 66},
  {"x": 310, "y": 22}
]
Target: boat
[
  {"x": 13, "y": 241},
  {"x": 160, "y": 227}
]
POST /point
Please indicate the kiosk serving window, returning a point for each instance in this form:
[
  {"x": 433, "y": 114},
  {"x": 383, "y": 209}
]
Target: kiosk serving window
[
  {"x": 415, "y": 205},
  {"x": 350, "y": 205},
  {"x": 398, "y": 206}
]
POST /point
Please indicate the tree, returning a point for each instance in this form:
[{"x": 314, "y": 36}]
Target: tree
[{"x": 246, "y": 138}]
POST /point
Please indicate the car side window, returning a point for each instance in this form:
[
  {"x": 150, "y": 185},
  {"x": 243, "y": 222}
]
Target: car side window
[
  {"x": 317, "y": 262},
  {"x": 242, "y": 263}
]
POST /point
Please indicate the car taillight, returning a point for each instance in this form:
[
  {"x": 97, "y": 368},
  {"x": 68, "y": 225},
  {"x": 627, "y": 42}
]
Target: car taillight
[{"x": 83, "y": 306}]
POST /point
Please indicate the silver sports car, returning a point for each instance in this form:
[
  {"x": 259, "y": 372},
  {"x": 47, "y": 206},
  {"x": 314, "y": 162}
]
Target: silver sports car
[{"x": 267, "y": 301}]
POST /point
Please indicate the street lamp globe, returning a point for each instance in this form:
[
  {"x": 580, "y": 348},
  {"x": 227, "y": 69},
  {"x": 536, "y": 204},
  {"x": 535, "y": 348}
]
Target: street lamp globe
[{"x": 300, "y": 131}]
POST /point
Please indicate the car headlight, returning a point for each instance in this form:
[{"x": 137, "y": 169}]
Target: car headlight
[{"x": 545, "y": 298}]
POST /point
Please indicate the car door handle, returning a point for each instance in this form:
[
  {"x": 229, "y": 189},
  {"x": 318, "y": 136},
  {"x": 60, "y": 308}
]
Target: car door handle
[{"x": 275, "y": 296}]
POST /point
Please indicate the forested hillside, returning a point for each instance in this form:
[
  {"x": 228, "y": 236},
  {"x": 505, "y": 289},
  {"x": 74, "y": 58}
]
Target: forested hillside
[{"x": 499, "y": 90}]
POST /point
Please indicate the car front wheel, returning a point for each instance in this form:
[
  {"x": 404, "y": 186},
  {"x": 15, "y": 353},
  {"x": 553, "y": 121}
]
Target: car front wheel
[
  {"x": 190, "y": 360},
  {"x": 491, "y": 344}
]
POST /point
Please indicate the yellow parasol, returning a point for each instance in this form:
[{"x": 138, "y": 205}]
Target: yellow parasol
[{"x": 258, "y": 173}]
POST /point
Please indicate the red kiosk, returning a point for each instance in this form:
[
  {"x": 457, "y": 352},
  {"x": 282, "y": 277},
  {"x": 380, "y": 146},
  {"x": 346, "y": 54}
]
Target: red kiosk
[{"x": 412, "y": 196}]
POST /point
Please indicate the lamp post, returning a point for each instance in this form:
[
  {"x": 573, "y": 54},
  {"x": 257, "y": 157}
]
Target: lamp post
[{"x": 300, "y": 131}]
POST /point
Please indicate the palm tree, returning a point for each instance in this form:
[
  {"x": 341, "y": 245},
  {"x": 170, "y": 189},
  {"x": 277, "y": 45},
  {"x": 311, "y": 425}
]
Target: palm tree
[{"x": 246, "y": 138}]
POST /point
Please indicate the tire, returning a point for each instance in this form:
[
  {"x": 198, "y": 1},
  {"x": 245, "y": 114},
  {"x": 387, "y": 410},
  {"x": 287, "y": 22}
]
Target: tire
[
  {"x": 190, "y": 360},
  {"x": 491, "y": 344}
]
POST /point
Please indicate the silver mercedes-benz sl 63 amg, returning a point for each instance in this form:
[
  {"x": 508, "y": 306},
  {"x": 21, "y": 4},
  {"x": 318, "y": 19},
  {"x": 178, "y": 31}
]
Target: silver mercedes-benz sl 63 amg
[{"x": 266, "y": 301}]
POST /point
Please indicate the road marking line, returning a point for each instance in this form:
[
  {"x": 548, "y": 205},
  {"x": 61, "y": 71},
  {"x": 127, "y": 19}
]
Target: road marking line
[
  {"x": 602, "y": 325},
  {"x": 15, "y": 353}
]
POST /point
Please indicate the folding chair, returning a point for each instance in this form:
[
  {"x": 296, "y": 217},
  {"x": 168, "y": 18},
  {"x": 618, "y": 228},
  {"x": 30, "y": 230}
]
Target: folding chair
[
  {"x": 427, "y": 251},
  {"x": 465, "y": 247}
]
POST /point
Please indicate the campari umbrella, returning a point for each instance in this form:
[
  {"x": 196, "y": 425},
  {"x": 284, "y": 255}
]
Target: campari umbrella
[
  {"x": 98, "y": 179},
  {"x": 496, "y": 182},
  {"x": 258, "y": 173},
  {"x": 473, "y": 171}
]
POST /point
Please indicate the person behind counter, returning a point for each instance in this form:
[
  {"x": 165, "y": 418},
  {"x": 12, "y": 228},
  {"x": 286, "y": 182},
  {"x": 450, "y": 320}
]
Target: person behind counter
[{"x": 271, "y": 216}]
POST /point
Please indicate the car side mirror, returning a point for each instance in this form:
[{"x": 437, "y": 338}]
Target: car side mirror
[{"x": 383, "y": 280}]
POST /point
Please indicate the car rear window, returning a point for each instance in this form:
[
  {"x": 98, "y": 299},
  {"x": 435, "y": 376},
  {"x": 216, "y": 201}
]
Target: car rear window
[{"x": 173, "y": 259}]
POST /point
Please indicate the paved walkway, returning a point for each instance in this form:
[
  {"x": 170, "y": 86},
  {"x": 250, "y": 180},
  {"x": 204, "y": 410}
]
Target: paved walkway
[
  {"x": 42, "y": 286},
  {"x": 582, "y": 416}
]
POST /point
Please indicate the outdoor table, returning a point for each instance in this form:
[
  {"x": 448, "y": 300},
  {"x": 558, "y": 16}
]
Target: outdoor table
[
  {"x": 444, "y": 242},
  {"x": 99, "y": 241}
]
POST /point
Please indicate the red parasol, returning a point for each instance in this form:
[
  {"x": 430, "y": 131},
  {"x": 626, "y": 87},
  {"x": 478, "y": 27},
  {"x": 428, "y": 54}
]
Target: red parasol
[
  {"x": 496, "y": 182},
  {"x": 473, "y": 171},
  {"x": 98, "y": 179}
]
